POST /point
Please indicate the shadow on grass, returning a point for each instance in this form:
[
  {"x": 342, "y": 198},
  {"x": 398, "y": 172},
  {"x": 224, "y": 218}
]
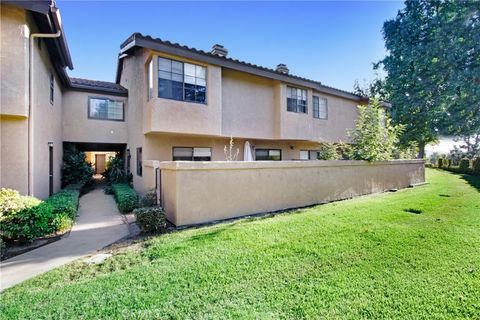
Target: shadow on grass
[{"x": 474, "y": 181}]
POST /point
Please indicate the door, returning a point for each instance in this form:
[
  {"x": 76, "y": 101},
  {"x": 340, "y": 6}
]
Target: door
[
  {"x": 99, "y": 163},
  {"x": 50, "y": 168}
]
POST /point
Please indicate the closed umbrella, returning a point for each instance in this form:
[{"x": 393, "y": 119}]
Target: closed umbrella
[{"x": 247, "y": 152}]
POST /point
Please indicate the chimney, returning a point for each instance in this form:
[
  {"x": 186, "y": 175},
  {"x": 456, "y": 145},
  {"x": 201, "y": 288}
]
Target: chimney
[
  {"x": 219, "y": 50},
  {"x": 282, "y": 68}
]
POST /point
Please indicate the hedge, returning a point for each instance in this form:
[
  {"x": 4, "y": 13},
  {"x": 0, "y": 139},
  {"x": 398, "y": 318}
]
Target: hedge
[
  {"x": 26, "y": 218},
  {"x": 465, "y": 167},
  {"x": 125, "y": 196}
]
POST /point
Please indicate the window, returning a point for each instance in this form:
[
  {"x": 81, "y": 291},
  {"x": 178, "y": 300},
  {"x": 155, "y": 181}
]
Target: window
[
  {"x": 105, "y": 109},
  {"x": 296, "y": 100},
  {"x": 181, "y": 81},
  {"x": 320, "y": 108},
  {"x": 309, "y": 154},
  {"x": 139, "y": 161},
  {"x": 150, "y": 80},
  {"x": 192, "y": 154},
  {"x": 52, "y": 88},
  {"x": 268, "y": 154}
]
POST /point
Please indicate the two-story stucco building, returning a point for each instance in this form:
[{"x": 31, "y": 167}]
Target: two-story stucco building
[{"x": 169, "y": 102}]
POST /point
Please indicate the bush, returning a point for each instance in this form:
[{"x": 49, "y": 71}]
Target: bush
[
  {"x": 476, "y": 166},
  {"x": 149, "y": 199},
  {"x": 115, "y": 172},
  {"x": 125, "y": 196},
  {"x": 328, "y": 151},
  {"x": 75, "y": 169},
  {"x": 31, "y": 218},
  {"x": 464, "y": 165},
  {"x": 150, "y": 219}
]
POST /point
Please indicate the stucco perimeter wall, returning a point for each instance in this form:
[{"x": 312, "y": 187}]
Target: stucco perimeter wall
[{"x": 198, "y": 192}]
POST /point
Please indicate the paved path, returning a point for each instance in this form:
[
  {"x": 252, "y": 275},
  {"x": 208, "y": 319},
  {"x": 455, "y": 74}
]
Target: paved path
[{"x": 98, "y": 225}]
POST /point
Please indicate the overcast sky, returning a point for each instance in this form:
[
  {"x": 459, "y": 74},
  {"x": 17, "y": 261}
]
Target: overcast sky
[{"x": 332, "y": 42}]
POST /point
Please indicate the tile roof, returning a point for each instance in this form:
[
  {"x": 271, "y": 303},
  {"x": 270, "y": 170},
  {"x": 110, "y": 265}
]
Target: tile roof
[
  {"x": 126, "y": 45},
  {"x": 103, "y": 86}
]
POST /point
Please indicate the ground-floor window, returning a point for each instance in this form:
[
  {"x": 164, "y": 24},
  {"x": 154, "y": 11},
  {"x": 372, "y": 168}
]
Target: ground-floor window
[
  {"x": 268, "y": 154},
  {"x": 309, "y": 154},
  {"x": 191, "y": 154}
]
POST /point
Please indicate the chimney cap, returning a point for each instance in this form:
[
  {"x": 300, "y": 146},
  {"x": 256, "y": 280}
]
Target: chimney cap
[
  {"x": 219, "y": 50},
  {"x": 282, "y": 68}
]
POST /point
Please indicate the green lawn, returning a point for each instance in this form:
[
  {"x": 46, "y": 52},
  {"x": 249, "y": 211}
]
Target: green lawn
[{"x": 369, "y": 257}]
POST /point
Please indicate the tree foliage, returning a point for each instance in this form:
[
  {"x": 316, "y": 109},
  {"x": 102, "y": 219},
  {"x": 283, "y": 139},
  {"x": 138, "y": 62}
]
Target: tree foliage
[
  {"x": 374, "y": 137},
  {"x": 433, "y": 69}
]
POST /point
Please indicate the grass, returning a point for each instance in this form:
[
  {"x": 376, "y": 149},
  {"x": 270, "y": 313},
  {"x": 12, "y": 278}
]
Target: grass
[{"x": 413, "y": 254}]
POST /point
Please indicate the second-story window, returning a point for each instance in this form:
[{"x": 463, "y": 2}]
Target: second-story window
[
  {"x": 181, "y": 81},
  {"x": 320, "y": 108},
  {"x": 52, "y": 88},
  {"x": 105, "y": 109},
  {"x": 296, "y": 100}
]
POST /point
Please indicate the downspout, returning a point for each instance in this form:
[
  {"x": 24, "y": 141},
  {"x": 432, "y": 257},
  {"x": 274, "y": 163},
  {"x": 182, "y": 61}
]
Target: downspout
[{"x": 30, "y": 104}]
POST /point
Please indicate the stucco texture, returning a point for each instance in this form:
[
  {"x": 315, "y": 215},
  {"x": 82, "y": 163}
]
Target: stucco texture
[{"x": 200, "y": 192}]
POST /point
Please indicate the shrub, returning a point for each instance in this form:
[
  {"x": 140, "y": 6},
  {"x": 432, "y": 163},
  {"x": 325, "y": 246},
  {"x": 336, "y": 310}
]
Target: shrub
[
  {"x": 34, "y": 218},
  {"x": 476, "y": 166},
  {"x": 464, "y": 165},
  {"x": 150, "y": 219},
  {"x": 149, "y": 199},
  {"x": 328, "y": 151},
  {"x": 115, "y": 172},
  {"x": 11, "y": 202},
  {"x": 75, "y": 169},
  {"x": 108, "y": 190},
  {"x": 125, "y": 196}
]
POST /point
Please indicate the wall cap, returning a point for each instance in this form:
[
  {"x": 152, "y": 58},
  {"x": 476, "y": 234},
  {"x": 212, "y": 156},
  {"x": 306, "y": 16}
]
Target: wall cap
[{"x": 241, "y": 165}]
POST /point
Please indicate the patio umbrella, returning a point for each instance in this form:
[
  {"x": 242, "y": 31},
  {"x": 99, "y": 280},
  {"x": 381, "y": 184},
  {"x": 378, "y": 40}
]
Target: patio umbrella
[{"x": 247, "y": 152}]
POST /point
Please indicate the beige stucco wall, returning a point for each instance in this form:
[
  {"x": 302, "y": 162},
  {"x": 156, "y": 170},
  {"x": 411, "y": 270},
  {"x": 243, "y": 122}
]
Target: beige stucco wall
[
  {"x": 159, "y": 146},
  {"x": 77, "y": 127},
  {"x": 341, "y": 117},
  {"x": 166, "y": 115},
  {"x": 242, "y": 188},
  {"x": 248, "y": 105},
  {"x": 13, "y": 157},
  {"x": 47, "y": 118},
  {"x": 14, "y": 61},
  {"x": 134, "y": 79},
  {"x": 244, "y": 106}
]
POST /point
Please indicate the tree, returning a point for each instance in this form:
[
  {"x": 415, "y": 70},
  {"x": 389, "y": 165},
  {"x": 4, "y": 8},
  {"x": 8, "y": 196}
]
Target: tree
[
  {"x": 433, "y": 69},
  {"x": 374, "y": 137}
]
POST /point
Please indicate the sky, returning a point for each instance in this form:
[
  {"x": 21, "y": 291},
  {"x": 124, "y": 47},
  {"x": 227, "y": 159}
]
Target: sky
[{"x": 333, "y": 42}]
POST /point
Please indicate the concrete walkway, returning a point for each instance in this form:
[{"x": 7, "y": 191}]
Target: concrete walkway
[{"x": 98, "y": 225}]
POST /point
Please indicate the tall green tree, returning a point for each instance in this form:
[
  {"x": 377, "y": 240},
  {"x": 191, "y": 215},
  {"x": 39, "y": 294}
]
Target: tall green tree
[{"x": 433, "y": 69}]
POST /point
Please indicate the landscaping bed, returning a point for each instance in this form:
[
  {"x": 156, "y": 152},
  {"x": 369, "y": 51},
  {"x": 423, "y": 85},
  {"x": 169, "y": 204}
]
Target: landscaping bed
[
  {"x": 27, "y": 223},
  {"x": 409, "y": 254}
]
